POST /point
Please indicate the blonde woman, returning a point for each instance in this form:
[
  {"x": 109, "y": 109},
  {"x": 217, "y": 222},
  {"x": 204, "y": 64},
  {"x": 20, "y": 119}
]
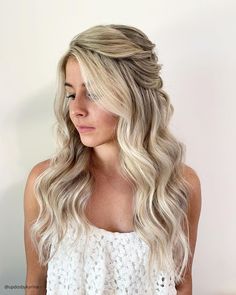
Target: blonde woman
[{"x": 115, "y": 210}]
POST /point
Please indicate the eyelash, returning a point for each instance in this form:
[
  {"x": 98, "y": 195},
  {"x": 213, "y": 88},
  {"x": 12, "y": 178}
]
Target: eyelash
[{"x": 72, "y": 95}]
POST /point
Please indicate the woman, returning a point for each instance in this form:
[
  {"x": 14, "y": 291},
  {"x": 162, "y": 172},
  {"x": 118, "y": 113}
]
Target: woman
[{"x": 115, "y": 210}]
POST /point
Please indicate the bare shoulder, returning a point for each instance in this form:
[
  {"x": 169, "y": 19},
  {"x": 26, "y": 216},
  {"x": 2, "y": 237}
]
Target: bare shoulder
[
  {"x": 193, "y": 215},
  {"x": 192, "y": 177},
  {"x": 195, "y": 198},
  {"x": 40, "y": 167},
  {"x": 36, "y": 274},
  {"x": 29, "y": 196}
]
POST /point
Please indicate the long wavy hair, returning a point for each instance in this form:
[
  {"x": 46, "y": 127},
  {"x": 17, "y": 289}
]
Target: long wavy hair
[{"x": 122, "y": 74}]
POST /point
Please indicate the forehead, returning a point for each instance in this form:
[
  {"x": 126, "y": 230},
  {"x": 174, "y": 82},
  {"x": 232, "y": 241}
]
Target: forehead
[
  {"x": 72, "y": 68},
  {"x": 73, "y": 74}
]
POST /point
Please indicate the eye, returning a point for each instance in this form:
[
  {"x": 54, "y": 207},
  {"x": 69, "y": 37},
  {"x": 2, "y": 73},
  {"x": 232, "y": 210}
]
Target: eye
[
  {"x": 69, "y": 96},
  {"x": 88, "y": 95}
]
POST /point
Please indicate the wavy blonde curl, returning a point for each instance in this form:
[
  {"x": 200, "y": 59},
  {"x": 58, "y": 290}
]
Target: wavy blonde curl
[{"x": 121, "y": 68}]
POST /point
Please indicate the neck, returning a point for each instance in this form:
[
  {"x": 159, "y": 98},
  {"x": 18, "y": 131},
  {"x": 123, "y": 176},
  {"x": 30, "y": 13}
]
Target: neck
[{"x": 105, "y": 159}]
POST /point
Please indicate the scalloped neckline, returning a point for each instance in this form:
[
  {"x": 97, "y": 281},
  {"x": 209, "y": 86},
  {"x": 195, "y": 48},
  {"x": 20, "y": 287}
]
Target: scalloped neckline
[{"x": 111, "y": 232}]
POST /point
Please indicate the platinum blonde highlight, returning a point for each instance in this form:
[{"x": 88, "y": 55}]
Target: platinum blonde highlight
[{"x": 122, "y": 72}]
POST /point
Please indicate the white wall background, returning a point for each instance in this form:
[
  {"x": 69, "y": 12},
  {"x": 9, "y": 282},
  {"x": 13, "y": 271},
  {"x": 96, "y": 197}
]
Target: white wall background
[{"x": 196, "y": 45}]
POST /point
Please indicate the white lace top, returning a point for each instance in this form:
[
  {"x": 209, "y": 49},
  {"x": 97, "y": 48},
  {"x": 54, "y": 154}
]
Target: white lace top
[{"x": 114, "y": 263}]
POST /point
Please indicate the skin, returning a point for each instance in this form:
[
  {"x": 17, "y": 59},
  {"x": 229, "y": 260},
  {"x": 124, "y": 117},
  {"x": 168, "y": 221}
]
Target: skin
[
  {"x": 36, "y": 274},
  {"x": 112, "y": 190},
  {"x": 106, "y": 158},
  {"x": 105, "y": 163},
  {"x": 193, "y": 214},
  {"x": 84, "y": 111},
  {"x": 109, "y": 182}
]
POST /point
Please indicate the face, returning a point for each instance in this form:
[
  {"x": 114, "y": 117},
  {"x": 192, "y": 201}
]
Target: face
[{"x": 84, "y": 111}]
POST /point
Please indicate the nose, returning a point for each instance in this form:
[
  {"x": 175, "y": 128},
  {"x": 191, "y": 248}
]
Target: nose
[{"x": 78, "y": 106}]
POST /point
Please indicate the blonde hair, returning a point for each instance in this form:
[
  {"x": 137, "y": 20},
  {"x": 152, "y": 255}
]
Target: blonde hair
[{"x": 121, "y": 71}]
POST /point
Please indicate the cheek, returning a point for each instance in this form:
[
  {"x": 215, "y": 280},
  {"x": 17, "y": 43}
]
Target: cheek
[
  {"x": 71, "y": 118},
  {"x": 110, "y": 122}
]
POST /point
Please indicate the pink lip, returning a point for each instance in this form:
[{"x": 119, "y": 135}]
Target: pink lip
[{"x": 85, "y": 129}]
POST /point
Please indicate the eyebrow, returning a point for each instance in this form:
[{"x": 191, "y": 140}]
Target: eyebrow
[{"x": 68, "y": 84}]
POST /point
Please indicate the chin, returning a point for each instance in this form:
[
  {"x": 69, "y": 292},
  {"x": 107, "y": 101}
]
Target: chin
[
  {"x": 93, "y": 144},
  {"x": 90, "y": 143}
]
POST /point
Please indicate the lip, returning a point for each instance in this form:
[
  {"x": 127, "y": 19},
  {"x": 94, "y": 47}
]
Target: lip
[
  {"x": 83, "y": 129},
  {"x": 84, "y": 126}
]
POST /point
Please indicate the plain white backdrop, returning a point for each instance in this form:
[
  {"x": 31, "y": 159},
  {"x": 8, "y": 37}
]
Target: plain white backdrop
[{"x": 195, "y": 42}]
